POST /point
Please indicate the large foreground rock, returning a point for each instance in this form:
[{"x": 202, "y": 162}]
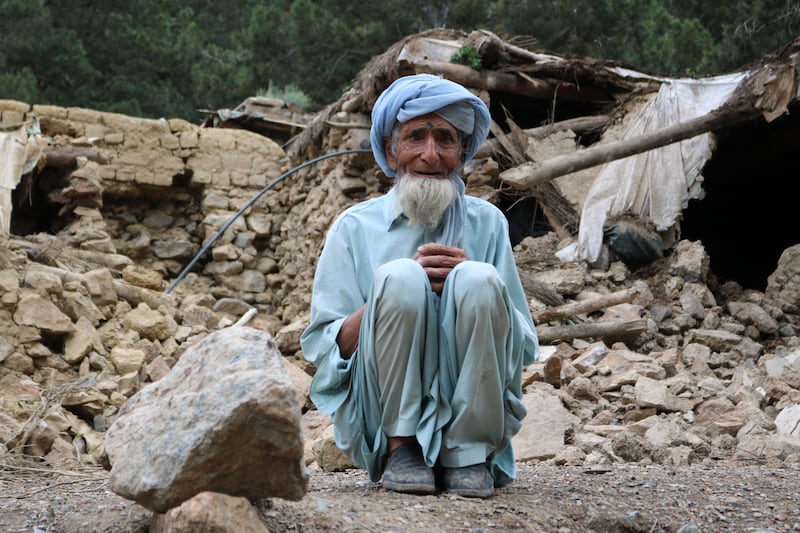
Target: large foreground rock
[{"x": 225, "y": 419}]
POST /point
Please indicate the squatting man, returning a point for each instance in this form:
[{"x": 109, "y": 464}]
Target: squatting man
[{"x": 419, "y": 324}]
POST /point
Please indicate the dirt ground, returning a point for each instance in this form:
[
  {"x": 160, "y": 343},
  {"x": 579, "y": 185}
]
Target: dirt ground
[{"x": 544, "y": 498}]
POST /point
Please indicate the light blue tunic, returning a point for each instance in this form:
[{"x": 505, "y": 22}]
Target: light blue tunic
[{"x": 452, "y": 381}]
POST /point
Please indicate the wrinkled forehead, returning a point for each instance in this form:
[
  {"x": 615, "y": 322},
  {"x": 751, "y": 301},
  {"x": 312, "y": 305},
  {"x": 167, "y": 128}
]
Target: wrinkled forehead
[{"x": 431, "y": 121}]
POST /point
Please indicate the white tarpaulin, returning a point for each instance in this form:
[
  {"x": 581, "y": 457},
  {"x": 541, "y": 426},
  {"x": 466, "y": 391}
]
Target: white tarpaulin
[
  {"x": 657, "y": 184},
  {"x": 20, "y": 150}
]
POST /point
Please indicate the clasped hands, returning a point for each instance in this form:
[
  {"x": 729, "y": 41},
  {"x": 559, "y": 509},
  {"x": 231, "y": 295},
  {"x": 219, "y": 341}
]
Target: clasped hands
[{"x": 438, "y": 260}]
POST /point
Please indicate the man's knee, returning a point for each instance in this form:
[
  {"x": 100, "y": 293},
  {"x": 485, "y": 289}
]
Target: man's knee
[
  {"x": 403, "y": 285},
  {"x": 477, "y": 283}
]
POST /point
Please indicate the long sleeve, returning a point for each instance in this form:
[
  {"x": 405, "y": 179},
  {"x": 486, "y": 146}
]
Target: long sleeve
[{"x": 336, "y": 295}]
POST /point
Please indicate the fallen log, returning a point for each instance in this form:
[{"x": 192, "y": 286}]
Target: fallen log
[
  {"x": 530, "y": 174},
  {"x": 584, "y": 306},
  {"x": 67, "y": 156},
  {"x": 539, "y": 290},
  {"x": 611, "y": 331},
  {"x": 65, "y": 275},
  {"x": 578, "y": 125},
  {"x": 511, "y": 83},
  {"x": 136, "y": 295}
]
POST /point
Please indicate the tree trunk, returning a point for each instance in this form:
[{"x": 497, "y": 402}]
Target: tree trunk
[{"x": 578, "y": 125}]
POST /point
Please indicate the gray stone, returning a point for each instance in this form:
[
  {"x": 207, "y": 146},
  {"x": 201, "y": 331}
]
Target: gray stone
[
  {"x": 44, "y": 282},
  {"x": 224, "y": 419},
  {"x": 210, "y": 512},
  {"x": 253, "y": 281},
  {"x": 328, "y": 456},
  {"x": 654, "y": 393},
  {"x": 33, "y": 310},
  {"x": 543, "y": 430},
  {"x": 171, "y": 249},
  {"x": 716, "y": 339},
  {"x": 690, "y": 261},
  {"x": 750, "y": 313},
  {"x": 788, "y": 421},
  {"x": 81, "y": 341},
  {"x": 150, "y": 324},
  {"x": 783, "y": 285}
]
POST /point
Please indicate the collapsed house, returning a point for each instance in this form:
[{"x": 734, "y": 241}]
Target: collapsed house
[{"x": 587, "y": 148}]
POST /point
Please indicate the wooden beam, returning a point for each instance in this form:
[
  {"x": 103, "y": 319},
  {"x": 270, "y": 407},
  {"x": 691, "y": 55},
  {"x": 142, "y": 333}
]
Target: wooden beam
[
  {"x": 67, "y": 156},
  {"x": 611, "y": 331},
  {"x": 578, "y": 125},
  {"x": 511, "y": 83},
  {"x": 585, "y": 306},
  {"x": 530, "y": 174}
]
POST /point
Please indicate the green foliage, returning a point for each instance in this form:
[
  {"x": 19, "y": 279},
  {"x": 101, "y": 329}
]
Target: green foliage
[
  {"x": 154, "y": 59},
  {"x": 20, "y": 85},
  {"x": 321, "y": 45},
  {"x": 291, "y": 94},
  {"x": 648, "y": 35},
  {"x": 467, "y": 56}
]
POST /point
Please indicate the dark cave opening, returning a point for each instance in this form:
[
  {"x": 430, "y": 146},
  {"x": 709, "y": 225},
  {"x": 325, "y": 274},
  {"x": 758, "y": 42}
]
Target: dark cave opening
[
  {"x": 35, "y": 208},
  {"x": 525, "y": 218},
  {"x": 747, "y": 217}
]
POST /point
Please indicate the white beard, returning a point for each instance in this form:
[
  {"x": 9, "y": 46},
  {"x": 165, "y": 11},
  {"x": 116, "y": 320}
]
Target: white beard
[{"x": 425, "y": 200}]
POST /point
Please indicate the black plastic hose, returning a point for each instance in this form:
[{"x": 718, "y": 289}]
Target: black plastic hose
[{"x": 274, "y": 182}]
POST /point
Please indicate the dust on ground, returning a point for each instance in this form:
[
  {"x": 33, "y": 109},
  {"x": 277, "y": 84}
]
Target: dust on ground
[{"x": 544, "y": 498}]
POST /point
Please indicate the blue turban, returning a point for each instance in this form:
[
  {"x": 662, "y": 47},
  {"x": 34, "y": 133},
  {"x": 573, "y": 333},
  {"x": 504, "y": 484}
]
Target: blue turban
[{"x": 413, "y": 96}]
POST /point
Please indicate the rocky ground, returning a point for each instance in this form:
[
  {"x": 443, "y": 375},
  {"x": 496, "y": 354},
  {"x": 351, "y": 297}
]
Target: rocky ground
[{"x": 713, "y": 497}]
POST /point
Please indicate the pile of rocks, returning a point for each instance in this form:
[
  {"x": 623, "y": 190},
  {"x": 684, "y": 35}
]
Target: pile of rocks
[{"x": 708, "y": 380}]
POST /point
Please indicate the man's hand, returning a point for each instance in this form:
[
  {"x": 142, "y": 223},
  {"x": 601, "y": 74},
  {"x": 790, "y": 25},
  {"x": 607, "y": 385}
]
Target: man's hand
[{"x": 438, "y": 260}]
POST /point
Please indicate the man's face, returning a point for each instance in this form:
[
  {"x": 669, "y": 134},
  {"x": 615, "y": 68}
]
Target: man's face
[
  {"x": 427, "y": 147},
  {"x": 425, "y": 157}
]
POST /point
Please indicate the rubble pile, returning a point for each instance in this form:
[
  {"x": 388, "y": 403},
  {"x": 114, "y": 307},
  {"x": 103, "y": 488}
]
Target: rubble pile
[{"x": 716, "y": 376}]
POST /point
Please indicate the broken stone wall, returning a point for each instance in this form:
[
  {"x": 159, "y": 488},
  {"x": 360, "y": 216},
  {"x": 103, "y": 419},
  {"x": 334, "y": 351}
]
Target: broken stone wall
[{"x": 159, "y": 190}]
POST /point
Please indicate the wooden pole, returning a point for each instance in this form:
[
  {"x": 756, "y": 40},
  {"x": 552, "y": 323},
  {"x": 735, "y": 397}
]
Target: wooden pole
[
  {"x": 67, "y": 156},
  {"x": 584, "y": 306},
  {"x": 511, "y": 83},
  {"x": 531, "y": 174},
  {"x": 578, "y": 125},
  {"x": 607, "y": 330}
]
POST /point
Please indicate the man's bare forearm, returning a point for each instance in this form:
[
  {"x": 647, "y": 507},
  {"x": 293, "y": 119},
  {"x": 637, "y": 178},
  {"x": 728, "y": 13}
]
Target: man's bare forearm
[{"x": 347, "y": 339}]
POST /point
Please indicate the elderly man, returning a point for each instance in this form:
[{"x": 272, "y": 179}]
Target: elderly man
[{"x": 419, "y": 324}]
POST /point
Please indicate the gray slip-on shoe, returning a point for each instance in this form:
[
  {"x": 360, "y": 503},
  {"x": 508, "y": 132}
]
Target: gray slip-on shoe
[
  {"x": 406, "y": 471},
  {"x": 473, "y": 481}
]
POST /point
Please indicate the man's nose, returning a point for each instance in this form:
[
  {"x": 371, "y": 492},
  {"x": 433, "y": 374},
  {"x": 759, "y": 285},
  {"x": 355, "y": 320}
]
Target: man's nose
[{"x": 430, "y": 150}]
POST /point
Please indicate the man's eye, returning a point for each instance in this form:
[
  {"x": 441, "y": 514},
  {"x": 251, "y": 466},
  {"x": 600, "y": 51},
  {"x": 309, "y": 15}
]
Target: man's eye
[{"x": 446, "y": 140}]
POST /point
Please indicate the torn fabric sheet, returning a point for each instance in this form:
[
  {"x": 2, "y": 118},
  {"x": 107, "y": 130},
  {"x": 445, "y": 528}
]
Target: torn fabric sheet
[
  {"x": 20, "y": 151},
  {"x": 659, "y": 183}
]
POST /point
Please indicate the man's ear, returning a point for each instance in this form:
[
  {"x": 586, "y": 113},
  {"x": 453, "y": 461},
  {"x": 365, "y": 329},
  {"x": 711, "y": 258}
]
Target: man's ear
[{"x": 389, "y": 153}]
